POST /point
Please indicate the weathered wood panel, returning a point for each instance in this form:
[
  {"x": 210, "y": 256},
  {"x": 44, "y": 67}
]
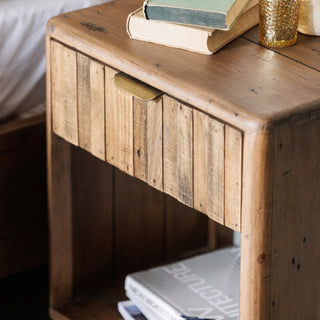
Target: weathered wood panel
[
  {"x": 91, "y": 117},
  {"x": 148, "y": 141},
  {"x": 209, "y": 166},
  {"x": 233, "y": 178},
  {"x": 64, "y": 92},
  {"x": 178, "y": 150},
  {"x": 119, "y": 124}
]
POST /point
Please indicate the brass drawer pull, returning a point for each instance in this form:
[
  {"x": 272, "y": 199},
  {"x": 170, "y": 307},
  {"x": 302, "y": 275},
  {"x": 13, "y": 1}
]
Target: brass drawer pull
[{"x": 135, "y": 87}]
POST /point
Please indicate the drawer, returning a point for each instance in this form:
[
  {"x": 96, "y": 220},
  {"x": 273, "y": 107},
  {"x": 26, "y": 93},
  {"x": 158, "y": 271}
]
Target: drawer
[{"x": 166, "y": 143}]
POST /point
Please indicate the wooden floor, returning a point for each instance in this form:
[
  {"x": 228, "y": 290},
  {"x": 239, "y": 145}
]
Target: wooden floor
[{"x": 24, "y": 296}]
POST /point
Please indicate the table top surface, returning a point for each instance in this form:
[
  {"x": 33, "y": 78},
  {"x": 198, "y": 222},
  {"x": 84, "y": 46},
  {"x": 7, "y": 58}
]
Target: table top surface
[{"x": 244, "y": 84}]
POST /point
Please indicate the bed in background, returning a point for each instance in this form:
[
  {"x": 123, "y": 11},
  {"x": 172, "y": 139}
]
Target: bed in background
[{"x": 23, "y": 197}]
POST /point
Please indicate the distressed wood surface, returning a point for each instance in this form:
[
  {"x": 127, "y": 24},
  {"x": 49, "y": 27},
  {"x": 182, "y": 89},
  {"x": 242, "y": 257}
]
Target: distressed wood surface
[
  {"x": 59, "y": 203},
  {"x": 258, "y": 96},
  {"x": 233, "y": 178},
  {"x": 148, "y": 141},
  {"x": 64, "y": 92},
  {"x": 209, "y": 166},
  {"x": 91, "y": 117},
  {"x": 119, "y": 124},
  {"x": 305, "y": 51},
  {"x": 140, "y": 146},
  {"x": 177, "y": 150},
  {"x": 295, "y": 220},
  {"x": 244, "y": 84},
  {"x": 163, "y": 142},
  {"x": 256, "y": 246}
]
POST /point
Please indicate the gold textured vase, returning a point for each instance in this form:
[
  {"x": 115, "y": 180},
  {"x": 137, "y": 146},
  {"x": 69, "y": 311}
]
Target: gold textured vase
[{"x": 278, "y": 22}]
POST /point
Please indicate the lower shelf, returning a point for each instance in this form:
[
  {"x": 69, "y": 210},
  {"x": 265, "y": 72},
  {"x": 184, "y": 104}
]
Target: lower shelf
[{"x": 98, "y": 303}]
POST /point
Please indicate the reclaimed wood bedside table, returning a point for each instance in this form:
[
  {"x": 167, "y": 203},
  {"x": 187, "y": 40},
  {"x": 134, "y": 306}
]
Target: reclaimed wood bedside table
[{"x": 234, "y": 135}]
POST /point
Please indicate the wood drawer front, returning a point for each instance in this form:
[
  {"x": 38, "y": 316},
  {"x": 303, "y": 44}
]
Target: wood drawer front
[{"x": 169, "y": 145}]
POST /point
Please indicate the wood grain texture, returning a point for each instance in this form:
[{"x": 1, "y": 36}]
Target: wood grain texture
[
  {"x": 92, "y": 194},
  {"x": 257, "y": 208},
  {"x": 59, "y": 203},
  {"x": 261, "y": 96},
  {"x": 91, "y": 117},
  {"x": 154, "y": 143},
  {"x": 148, "y": 141},
  {"x": 140, "y": 148},
  {"x": 60, "y": 221},
  {"x": 233, "y": 178},
  {"x": 64, "y": 92},
  {"x": 177, "y": 150},
  {"x": 295, "y": 236},
  {"x": 209, "y": 166},
  {"x": 119, "y": 125},
  {"x": 305, "y": 51},
  {"x": 245, "y": 85}
]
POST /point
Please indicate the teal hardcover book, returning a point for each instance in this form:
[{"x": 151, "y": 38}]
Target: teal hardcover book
[{"x": 218, "y": 14}]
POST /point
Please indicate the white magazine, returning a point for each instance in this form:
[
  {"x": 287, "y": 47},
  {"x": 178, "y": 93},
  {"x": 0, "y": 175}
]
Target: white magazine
[
  {"x": 129, "y": 311},
  {"x": 203, "y": 287},
  {"x": 149, "y": 313}
]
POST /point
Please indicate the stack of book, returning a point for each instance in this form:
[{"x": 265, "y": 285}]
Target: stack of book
[
  {"x": 203, "y": 26},
  {"x": 203, "y": 287}
]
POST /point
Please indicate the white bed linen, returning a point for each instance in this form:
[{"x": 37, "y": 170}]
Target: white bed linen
[{"x": 22, "y": 50}]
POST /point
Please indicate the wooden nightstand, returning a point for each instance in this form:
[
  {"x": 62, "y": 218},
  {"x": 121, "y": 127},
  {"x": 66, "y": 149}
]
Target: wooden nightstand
[{"x": 234, "y": 135}]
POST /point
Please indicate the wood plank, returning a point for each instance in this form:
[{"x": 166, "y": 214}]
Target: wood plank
[
  {"x": 119, "y": 125},
  {"x": 177, "y": 150},
  {"x": 216, "y": 170},
  {"x": 140, "y": 149},
  {"x": 200, "y": 158},
  {"x": 148, "y": 141},
  {"x": 233, "y": 178},
  {"x": 295, "y": 288},
  {"x": 256, "y": 246},
  {"x": 64, "y": 92},
  {"x": 154, "y": 143},
  {"x": 305, "y": 51},
  {"x": 84, "y": 105},
  {"x": 59, "y": 201},
  {"x": 240, "y": 84},
  {"x": 92, "y": 194},
  {"x": 60, "y": 221},
  {"x": 209, "y": 166},
  {"x": 91, "y": 115},
  {"x": 139, "y": 224}
]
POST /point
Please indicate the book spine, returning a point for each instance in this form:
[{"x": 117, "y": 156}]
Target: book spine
[
  {"x": 128, "y": 22},
  {"x": 153, "y": 301},
  {"x": 144, "y": 8}
]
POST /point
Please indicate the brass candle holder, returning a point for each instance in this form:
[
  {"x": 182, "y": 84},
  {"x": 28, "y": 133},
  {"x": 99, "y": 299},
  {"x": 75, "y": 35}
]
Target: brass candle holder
[{"x": 278, "y": 22}]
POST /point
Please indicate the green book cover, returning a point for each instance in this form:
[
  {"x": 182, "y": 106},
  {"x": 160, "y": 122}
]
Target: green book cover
[{"x": 218, "y": 14}]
